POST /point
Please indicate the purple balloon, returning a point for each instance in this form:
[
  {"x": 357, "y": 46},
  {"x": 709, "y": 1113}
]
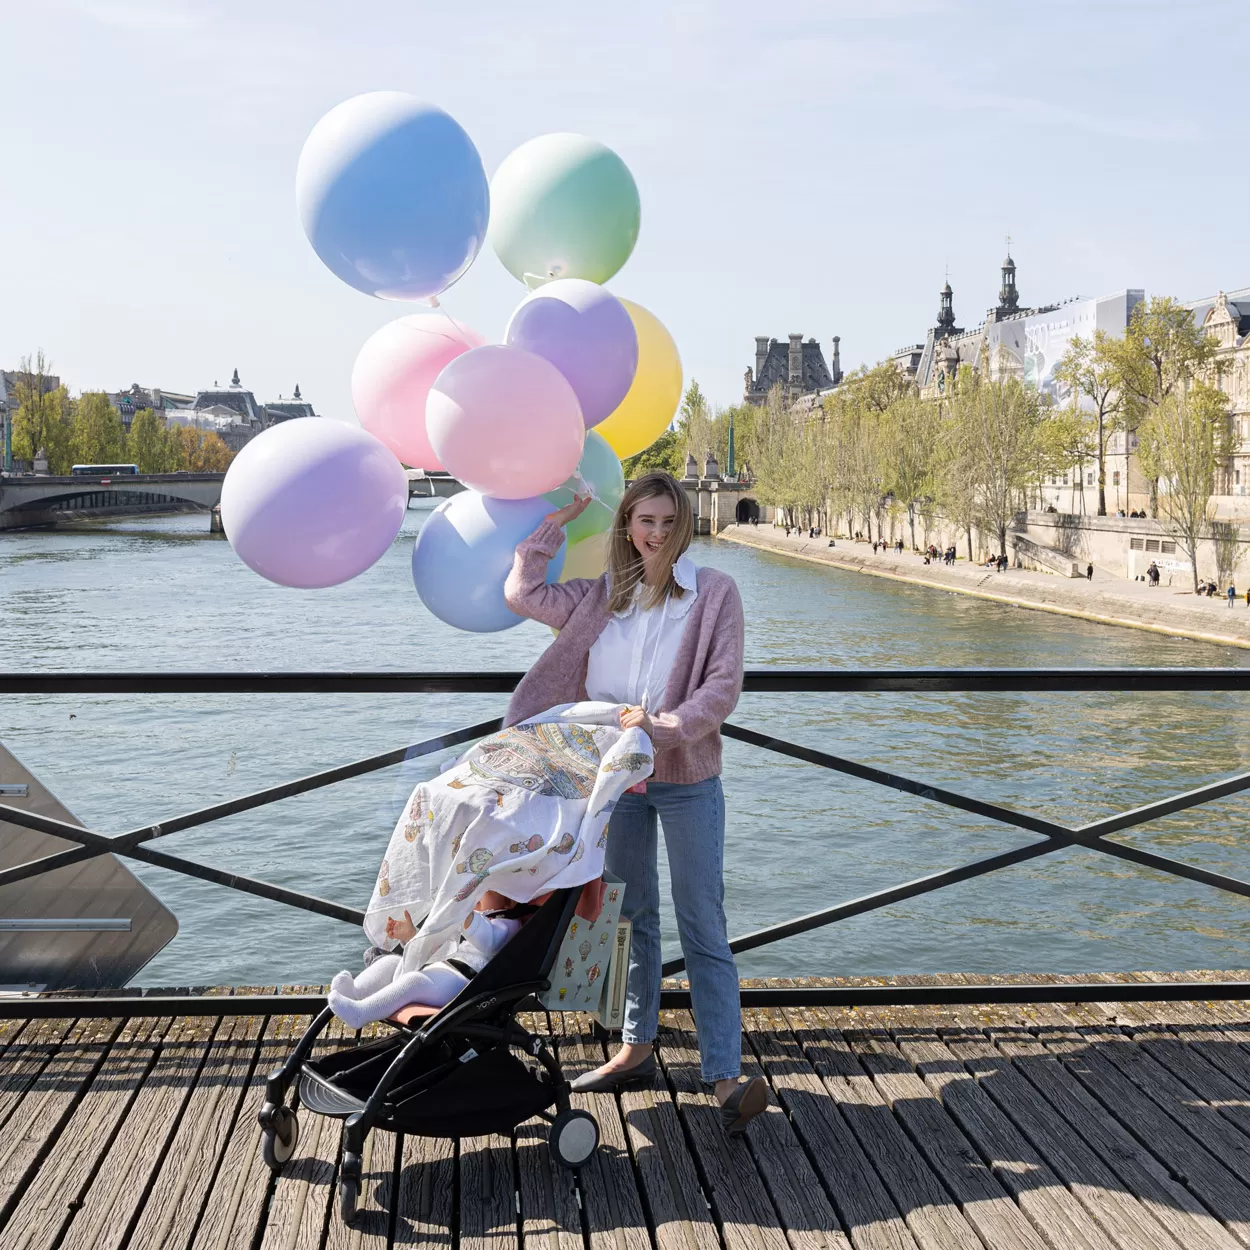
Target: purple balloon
[
  {"x": 587, "y": 334},
  {"x": 313, "y": 502}
]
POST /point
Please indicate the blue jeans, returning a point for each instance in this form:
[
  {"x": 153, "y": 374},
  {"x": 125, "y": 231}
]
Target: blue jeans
[{"x": 693, "y": 817}]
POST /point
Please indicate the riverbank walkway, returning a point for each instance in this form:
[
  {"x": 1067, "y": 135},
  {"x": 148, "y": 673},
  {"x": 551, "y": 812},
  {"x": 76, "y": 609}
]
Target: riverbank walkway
[
  {"x": 1092, "y": 1126},
  {"x": 1107, "y": 600}
]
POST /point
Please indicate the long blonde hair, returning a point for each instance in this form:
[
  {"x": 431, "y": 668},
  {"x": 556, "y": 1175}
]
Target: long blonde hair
[{"x": 625, "y": 564}]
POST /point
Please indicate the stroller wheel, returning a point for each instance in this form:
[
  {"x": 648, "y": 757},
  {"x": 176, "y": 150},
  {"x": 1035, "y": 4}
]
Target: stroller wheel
[
  {"x": 574, "y": 1138},
  {"x": 277, "y": 1144},
  {"x": 349, "y": 1192}
]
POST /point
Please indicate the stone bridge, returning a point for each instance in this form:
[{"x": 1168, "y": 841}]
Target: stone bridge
[{"x": 30, "y": 500}]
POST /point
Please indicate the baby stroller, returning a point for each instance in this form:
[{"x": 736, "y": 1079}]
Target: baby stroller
[{"x": 446, "y": 1071}]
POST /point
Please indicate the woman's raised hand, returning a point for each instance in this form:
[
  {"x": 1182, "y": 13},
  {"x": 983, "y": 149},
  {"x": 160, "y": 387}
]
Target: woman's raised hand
[{"x": 570, "y": 511}]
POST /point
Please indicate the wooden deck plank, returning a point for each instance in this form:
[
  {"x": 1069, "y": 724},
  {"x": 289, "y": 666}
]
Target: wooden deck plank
[
  {"x": 796, "y": 1191},
  {"x": 488, "y": 1194},
  {"x": 370, "y": 1230},
  {"x": 56, "y": 1189},
  {"x": 1218, "y": 1188},
  {"x": 304, "y": 1192},
  {"x": 612, "y": 1202},
  {"x": 740, "y": 1200},
  {"x": 234, "y": 1205},
  {"x": 426, "y": 1210},
  {"x": 1138, "y": 1170},
  {"x": 678, "y": 1210},
  {"x": 25, "y": 1057},
  {"x": 38, "y": 1118},
  {"x": 864, "y": 1206},
  {"x": 925, "y": 1204},
  {"x": 985, "y": 1203},
  {"x": 174, "y": 1202},
  {"x": 120, "y": 1187},
  {"x": 550, "y": 1216}
]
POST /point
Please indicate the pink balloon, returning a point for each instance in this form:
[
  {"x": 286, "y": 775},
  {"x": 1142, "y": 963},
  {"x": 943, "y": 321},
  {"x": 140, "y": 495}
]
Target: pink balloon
[
  {"x": 505, "y": 422},
  {"x": 393, "y": 375}
]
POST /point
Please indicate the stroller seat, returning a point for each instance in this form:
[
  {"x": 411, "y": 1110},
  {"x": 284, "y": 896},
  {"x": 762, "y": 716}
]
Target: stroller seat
[{"x": 446, "y": 1071}]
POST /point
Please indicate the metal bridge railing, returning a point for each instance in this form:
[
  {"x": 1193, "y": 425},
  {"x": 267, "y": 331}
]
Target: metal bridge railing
[{"x": 1053, "y": 836}]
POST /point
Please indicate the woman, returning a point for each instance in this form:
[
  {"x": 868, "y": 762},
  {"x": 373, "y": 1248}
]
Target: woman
[{"x": 665, "y": 638}]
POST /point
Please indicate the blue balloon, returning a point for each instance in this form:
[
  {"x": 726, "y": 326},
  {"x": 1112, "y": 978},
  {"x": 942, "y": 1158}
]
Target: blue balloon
[
  {"x": 392, "y": 195},
  {"x": 463, "y": 555}
]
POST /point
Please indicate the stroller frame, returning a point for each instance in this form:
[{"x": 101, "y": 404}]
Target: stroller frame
[{"x": 479, "y": 1023}]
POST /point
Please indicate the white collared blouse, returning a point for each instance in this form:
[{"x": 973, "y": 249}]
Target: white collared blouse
[{"x": 632, "y": 658}]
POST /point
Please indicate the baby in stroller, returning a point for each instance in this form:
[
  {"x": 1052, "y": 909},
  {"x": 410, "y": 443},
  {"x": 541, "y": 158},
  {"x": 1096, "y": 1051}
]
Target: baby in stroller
[{"x": 383, "y": 988}]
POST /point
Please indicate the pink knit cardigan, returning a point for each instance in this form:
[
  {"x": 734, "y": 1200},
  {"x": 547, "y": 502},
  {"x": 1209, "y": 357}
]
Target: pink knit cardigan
[{"x": 703, "y": 687}]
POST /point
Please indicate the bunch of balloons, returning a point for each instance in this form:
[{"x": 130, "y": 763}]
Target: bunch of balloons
[{"x": 394, "y": 199}]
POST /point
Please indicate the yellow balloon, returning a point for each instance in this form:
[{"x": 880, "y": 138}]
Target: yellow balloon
[
  {"x": 649, "y": 404},
  {"x": 587, "y": 558}
]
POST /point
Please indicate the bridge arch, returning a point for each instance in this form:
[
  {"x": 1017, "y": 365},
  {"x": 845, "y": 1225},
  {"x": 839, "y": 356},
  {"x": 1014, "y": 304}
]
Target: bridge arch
[{"x": 747, "y": 512}]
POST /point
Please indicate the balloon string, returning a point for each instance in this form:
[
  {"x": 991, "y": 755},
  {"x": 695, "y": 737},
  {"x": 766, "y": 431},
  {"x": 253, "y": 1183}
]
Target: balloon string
[{"x": 433, "y": 302}]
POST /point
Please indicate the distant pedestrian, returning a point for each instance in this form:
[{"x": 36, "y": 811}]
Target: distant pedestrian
[
  {"x": 1232, "y": 594},
  {"x": 1089, "y": 572}
]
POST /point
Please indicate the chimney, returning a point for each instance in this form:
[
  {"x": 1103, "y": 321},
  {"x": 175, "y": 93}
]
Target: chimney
[
  {"x": 795, "y": 371},
  {"x": 761, "y": 355},
  {"x": 836, "y": 360}
]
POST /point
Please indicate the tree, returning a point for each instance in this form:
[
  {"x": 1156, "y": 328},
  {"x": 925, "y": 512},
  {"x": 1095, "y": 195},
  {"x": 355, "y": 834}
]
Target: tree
[
  {"x": 212, "y": 455},
  {"x": 1162, "y": 351},
  {"x": 1066, "y": 440},
  {"x": 1226, "y": 539},
  {"x": 148, "y": 445},
  {"x": 1183, "y": 441},
  {"x": 1090, "y": 368},
  {"x": 694, "y": 424},
  {"x": 98, "y": 437},
  {"x": 41, "y": 415},
  {"x": 184, "y": 444},
  {"x": 664, "y": 454},
  {"x": 995, "y": 425},
  {"x": 910, "y": 435}
]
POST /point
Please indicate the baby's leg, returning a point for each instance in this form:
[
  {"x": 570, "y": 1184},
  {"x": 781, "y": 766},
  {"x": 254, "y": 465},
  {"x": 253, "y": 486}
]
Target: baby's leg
[
  {"x": 433, "y": 986},
  {"x": 379, "y": 973}
]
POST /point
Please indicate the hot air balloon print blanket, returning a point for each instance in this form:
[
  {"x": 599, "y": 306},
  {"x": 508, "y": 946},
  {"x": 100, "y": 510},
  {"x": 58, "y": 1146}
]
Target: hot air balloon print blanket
[{"x": 522, "y": 812}]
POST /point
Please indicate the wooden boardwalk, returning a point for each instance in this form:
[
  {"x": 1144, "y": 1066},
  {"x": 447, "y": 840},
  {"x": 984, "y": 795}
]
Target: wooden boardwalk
[{"x": 1085, "y": 1127}]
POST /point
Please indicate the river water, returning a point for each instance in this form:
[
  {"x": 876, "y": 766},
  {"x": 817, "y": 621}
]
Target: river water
[{"x": 160, "y": 593}]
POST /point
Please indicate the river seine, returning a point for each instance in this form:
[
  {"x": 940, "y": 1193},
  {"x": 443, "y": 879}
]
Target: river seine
[{"x": 160, "y": 593}]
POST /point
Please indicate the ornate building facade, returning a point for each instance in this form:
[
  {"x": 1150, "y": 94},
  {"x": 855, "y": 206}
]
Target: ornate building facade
[
  {"x": 1226, "y": 318},
  {"x": 798, "y": 367}
]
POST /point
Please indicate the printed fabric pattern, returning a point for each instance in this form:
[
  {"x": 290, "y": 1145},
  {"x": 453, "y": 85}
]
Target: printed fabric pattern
[{"x": 523, "y": 812}]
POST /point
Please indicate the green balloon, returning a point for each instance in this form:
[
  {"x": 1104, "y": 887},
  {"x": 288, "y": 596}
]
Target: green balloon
[
  {"x": 599, "y": 472},
  {"x": 563, "y": 206}
]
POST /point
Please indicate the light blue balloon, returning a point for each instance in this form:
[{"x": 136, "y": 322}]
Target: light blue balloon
[
  {"x": 392, "y": 195},
  {"x": 464, "y": 553},
  {"x": 600, "y": 473}
]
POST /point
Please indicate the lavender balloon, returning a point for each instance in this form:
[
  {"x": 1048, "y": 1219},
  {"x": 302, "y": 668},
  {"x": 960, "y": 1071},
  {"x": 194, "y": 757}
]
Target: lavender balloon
[
  {"x": 587, "y": 334},
  {"x": 313, "y": 502},
  {"x": 463, "y": 555}
]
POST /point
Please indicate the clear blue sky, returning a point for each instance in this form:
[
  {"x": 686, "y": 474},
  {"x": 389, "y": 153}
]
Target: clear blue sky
[{"x": 809, "y": 166}]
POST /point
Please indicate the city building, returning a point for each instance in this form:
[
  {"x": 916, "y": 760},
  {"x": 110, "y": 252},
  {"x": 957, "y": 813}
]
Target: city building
[
  {"x": 1226, "y": 318},
  {"x": 798, "y": 367}
]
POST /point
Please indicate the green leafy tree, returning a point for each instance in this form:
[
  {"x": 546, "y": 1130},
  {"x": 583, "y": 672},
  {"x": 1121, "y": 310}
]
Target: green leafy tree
[
  {"x": 147, "y": 444},
  {"x": 910, "y": 434},
  {"x": 98, "y": 436},
  {"x": 1162, "y": 351},
  {"x": 41, "y": 417},
  {"x": 1182, "y": 443},
  {"x": 694, "y": 423},
  {"x": 1091, "y": 368},
  {"x": 665, "y": 454}
]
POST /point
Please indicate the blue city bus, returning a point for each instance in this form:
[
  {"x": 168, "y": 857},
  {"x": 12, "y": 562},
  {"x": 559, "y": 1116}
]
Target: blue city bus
[{"x": 103, "y": 470}]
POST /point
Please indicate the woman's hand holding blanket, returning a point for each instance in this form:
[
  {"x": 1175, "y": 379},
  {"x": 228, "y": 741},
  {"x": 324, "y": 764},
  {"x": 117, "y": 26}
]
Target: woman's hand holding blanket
[{"x": 636, "y": 718}]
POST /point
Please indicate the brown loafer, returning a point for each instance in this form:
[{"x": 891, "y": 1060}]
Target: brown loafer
[{"x": 743, "y": 1105}]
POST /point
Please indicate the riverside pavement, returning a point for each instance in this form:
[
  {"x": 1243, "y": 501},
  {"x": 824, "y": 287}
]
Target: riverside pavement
[{"x": 1108, "y": 599}]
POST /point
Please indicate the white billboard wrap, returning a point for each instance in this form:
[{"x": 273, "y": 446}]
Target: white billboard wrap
[{"x": 1032, "y": 346}]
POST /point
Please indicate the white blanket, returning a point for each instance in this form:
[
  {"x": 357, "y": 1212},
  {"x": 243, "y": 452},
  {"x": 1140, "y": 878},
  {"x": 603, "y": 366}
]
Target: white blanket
[{"x": 522, "y": 812}]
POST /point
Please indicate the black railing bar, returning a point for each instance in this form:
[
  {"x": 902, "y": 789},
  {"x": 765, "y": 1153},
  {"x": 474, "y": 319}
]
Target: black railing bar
[
  {"x": 894, "y": 781},
  {"x": 757, "y": 681},
  {"x": 1165, "y": 807},
  {"x": 247, "y": 885},
  {"x": 119, "y": 844},
  {"x": 883, "y": 898},
  {"x": 130, "y": 1006}
]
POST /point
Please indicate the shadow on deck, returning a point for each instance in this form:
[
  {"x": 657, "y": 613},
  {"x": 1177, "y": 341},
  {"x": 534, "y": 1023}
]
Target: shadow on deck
[{"x": 1060, "y": 1125}]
